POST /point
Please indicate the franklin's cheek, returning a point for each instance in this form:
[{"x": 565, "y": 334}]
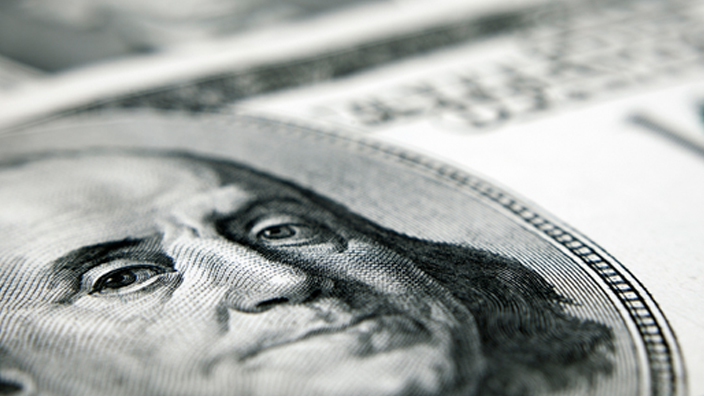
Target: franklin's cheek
[{"x": 70, "y": 342}]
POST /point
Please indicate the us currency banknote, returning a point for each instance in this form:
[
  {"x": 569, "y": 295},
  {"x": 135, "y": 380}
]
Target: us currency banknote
[
  {"x": 209, "y": 74},
  {"x": 507, "y": 213},
  {"x": 57, "y": 35}
]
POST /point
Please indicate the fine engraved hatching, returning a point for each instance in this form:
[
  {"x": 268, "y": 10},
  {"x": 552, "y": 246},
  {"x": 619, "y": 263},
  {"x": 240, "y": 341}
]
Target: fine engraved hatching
[{"x": 165, "y": 272}]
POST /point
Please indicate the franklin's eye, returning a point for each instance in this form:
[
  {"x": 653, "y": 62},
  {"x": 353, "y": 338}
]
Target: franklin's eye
[
  {"x": 279, "y": 228},
  {"x": 286, "y": 231},
  {"x": 287, "y": 234},
  {"x": 279, "y": 232},
  {"x": 123, "y": 277}
]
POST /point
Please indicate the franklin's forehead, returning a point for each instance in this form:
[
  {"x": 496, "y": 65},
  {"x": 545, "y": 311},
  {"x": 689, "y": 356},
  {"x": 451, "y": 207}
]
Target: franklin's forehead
[
  {"x": 103, "y": 182},
  {"x": 89, "y": 198},
  {"x": 102, "y": 178}
]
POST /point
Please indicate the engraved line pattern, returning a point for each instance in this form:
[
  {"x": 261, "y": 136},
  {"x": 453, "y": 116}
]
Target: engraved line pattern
[{"x": 663, "y": 378}]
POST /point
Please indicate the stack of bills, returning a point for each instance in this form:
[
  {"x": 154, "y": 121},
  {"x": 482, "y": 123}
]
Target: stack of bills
[{"x": 352, "y": 197}]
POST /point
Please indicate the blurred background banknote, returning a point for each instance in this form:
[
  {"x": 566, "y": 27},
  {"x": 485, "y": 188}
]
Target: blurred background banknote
[{"x": 380, "y": 197}]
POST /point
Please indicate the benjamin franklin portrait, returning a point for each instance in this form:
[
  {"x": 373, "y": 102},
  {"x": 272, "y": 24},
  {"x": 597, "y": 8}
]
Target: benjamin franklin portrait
[{"x": 154, "y": 272}]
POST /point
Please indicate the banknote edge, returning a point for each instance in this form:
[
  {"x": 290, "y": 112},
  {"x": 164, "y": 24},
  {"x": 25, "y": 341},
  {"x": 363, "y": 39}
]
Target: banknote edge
[{"x": 668, "y": 376}]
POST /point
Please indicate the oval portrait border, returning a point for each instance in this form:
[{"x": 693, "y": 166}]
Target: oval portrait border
[{"x": 665, "y": 365}]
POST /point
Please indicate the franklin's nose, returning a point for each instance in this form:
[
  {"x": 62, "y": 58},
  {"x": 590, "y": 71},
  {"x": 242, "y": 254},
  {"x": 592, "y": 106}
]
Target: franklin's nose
[{"x": 275, "y": 284}]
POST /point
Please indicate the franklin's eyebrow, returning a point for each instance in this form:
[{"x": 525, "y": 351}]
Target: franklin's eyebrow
[{"x": 81, "y": 260}]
